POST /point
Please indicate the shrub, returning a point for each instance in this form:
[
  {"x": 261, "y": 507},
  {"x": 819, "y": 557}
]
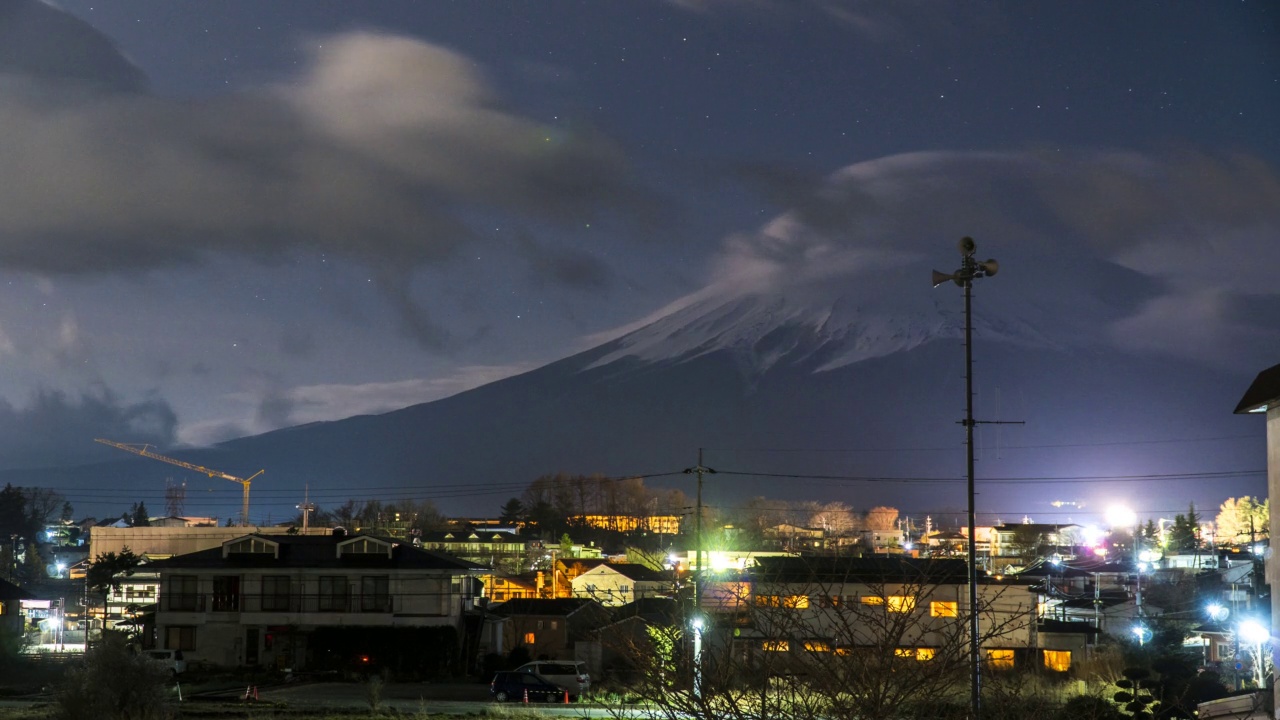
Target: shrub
[{"x": 114, "y": 683}]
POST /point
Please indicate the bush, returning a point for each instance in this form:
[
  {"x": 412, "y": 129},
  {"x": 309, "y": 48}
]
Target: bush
[
  {"x": 114, "y": 683},
  {"x": 1089, "y": 707}
]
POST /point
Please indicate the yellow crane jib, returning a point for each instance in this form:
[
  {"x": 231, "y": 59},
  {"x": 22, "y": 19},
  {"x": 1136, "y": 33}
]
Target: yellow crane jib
[{"x": 144, "y": 450}]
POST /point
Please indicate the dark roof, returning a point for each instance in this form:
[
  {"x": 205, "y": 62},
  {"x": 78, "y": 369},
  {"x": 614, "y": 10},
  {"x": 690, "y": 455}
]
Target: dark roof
[
  {"x": 561, "y": 607},
  {"x": 483, "y": 536},
  {"x": 1036, "y": 527},
  {"x": 587, "y": 563},
  {"x": 10, "y": 592},
  {"x": 1264, "y": 390},
  {"x": 856, "y": 569},
  {"x": 663, "y": 611},
  {"x": 316, "y": 551}
]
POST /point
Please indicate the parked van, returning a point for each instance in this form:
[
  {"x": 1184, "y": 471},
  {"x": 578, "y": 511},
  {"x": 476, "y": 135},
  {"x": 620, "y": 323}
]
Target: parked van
[
  {"x": 172, "y": 660},
  {"x": 570, "y": 675}
]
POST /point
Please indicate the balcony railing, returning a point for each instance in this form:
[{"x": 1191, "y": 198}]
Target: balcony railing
[{"x": 291, "y": 603}]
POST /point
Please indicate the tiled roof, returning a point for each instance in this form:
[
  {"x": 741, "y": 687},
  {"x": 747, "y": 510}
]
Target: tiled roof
[
  {"x": 317, "y": 551},
  {"x": 541, "y": 606},
  {"x": 638, "y": 572},
  {"x": 856, "y": 569}
]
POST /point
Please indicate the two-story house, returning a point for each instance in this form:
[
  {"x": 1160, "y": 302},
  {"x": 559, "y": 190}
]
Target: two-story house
[
  {"x": 312, "y": 601},
  {"x": 616, "y": 584}
]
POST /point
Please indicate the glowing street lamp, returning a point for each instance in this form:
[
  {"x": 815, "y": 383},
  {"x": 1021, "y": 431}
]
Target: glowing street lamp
[
  {"x": 1143, "y": 634},
  {"x": 1119, "y": 516},
  {"x": 1217, "y": 612},
  {"x": 1255, "y": 633},
  {"x": 60, "y": 567}
]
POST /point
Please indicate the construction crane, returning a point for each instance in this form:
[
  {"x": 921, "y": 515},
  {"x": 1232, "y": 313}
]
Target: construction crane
[{"x": 144, "y": 451}]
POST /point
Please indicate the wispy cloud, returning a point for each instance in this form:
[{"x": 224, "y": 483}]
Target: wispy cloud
[{"x": 277, "y": 407}]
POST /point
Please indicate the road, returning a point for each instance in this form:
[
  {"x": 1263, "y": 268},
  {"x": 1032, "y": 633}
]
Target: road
[{"x": 451, "y": 699}]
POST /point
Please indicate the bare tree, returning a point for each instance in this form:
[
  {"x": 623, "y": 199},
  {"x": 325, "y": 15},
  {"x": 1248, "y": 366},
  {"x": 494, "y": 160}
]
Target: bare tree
[{"x": 830, "y": 638}]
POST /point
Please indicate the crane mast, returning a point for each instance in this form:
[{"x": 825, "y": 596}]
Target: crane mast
[{"x": 144, "y": 451}]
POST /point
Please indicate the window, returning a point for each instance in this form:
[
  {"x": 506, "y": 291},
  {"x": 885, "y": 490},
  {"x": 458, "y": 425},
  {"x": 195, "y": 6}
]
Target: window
[
  {"x": 364, "y": 546},
  {"x": 900, "y": 603},
  {"x": 829, "y": 601},
  {"x": 375, "y": 593},
  {"x": 791, "y": 602},
  {"x": 275, "y": 593},
  {"x": 776, "y": 646},
  {"x": 1057, "y": 660},
  {"x": 817, "y": 646},
  {"x": 539, "y": 624},
  {"x": 333, "y": 594},
  {"x": 251, "y": 545},
  {"x": 180, "y": 637},
  {"x": 624, "y": 589},
  {"x": 1000, "y": 659},
  {"x": 555, "y": 624},
  {"x": 530, "y": 638},
  {"x": 923, "y": 654},
  {"x": 182, "y": 592},
  {"x": 943, "y": 609},
  {"x": 226, "y": 593},
  {"x": 872, "y": 600}
]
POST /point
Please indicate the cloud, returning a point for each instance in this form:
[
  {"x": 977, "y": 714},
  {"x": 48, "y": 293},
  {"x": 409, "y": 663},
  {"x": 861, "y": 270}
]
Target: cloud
[
  {"x": 277, "y": 407},
  {"x": 58, "y": 429},
  {"x": 1095, "y": 246},
  {"x": 381, "y": 151}
]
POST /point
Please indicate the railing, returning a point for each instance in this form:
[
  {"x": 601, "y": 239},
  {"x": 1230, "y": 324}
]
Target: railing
[{"x": 291, "y": 603}]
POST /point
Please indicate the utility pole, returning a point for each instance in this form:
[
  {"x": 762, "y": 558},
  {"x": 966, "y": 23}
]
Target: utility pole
[
  {"x": 698, "y": 470},
  {"x": 970, "y": 270}
]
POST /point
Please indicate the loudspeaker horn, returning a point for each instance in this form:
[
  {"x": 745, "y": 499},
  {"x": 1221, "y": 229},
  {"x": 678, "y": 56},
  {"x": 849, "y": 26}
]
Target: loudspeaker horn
[
  {"x": 941, "y": 277},
  {"x": 990, "y": 267},
  {"x": 967, "y": 246}
]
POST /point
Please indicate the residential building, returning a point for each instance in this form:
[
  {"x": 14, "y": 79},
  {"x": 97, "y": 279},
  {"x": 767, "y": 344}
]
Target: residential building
[
  {"x": 659, "y": 524},
  {"x": 550, "y": 629},
  {"x": 491, "y": 548},
  {"x": 501, "y": 588},
  {"x": 313, "y": 602},
  {"x": 847, "y": 605},
  {"x": 616, "y": 584},
  {"x": 1263, "y": 397}
]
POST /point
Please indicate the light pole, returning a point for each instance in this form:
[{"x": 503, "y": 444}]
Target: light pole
[{"x": 970, "y": 270}]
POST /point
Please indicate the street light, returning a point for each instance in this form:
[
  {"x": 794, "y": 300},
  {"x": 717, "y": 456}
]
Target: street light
[
  {"x": 1143, "y": 632},
  {"x": 60, "y": 567},
  {"x": 1255, "y": 633},
  {"x": 970, "y": 270}
]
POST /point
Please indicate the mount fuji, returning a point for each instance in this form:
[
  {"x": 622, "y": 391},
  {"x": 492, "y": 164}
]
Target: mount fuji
[{"x": 818, "y": 363}]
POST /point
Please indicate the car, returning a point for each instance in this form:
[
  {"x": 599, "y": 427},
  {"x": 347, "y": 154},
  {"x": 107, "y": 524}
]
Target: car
[
  {"x": 172, "y": 660},
  {"x": 513, "y": 685},
  {"x": 570, "y": 675}
]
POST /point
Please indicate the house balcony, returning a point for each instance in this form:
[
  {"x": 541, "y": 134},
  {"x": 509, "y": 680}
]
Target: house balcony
[{"x": 291, "y": 603}]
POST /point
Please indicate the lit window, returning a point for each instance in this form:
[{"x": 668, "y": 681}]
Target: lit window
[
  {"x": 901, "y": 603},
  {"x": 943, "y": 609},
  {"x": 1057, "y": 660},
  {"x": 793, "y": 602},
  {"x": 776, "y": 646},
  {"x": 872, "y": 600},
  {"x": 530, "y": 638},
  {"x": 904, "y": 652},
  {"x": 923, "y": 654},
  {"x": 817, "y": 646},
  {"x": 1000, "y": 659}
]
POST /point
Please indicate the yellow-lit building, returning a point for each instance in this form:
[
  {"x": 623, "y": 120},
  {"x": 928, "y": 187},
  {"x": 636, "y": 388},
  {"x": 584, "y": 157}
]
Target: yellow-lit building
[{"x": 660, "y": 524}]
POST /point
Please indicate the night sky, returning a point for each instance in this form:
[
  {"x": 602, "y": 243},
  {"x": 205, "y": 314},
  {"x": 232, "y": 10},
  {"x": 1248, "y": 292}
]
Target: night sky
[{"x": 250, "y": 215}]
